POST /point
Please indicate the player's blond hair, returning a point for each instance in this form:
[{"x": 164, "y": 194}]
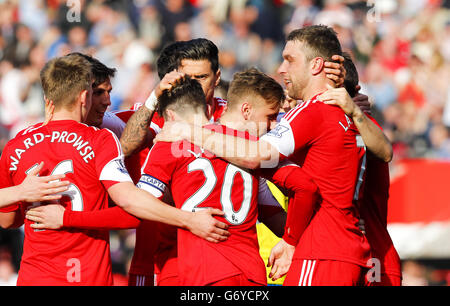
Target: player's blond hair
[
  {"x": 252, "y": 82},
  {"x": 64, "y": 78}
]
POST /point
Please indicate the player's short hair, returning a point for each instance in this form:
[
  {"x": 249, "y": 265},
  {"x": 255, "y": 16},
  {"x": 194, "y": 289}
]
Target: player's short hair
[
  {"x": 168, "y": 58},
  {"x": 63, "y": 78},
  {"x": 200, "y": 49},
  {"x": 197, "y": 49},
  {"x": 252, "y": 82},
  {"x": 185, "y": 97},
  {"x": 351, "y": 77},
  {"x": 100, "y": 71},
  {"x": 319, "y": 41}
]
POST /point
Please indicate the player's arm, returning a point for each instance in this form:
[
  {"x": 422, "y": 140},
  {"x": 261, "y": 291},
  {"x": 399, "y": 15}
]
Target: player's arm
[
  {"x": 245, "y": 153},
  {"x": 55, "y": 216},
  {"x": 304, "y": 194},
  {"x": 34, "y": 188},
  {"x": 143, "y": 205},
  {"x": 373, "y": 136},
  {"x": 136, "y": 134},
  {"x": 7, "y": 219}
]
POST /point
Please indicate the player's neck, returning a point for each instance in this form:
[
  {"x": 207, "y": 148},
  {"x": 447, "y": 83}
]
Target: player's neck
[
  {"x": 210, "y": 107},
  {"x": 316, "y": 87},
  {"x": 232, "y": 120},
  {"x": 64, "y": 114},
  {"x": 196, "y": 119}
]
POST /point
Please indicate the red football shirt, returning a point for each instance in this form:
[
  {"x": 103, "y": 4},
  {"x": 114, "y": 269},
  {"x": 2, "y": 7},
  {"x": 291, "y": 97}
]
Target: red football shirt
[
  {"x": 321, "y": 139},
  {"x": 92, "y": 161},
  {"x": 146, "y": 245},
  {"x": 198, "y": 180},
  {"x": 373, "y": 205},
  {"x": 166, "y": 252},
  {"x": 374, "y": 212}
]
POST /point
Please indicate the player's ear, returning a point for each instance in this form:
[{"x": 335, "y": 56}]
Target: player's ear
[
  {"x": 218, "y": 74},
  {"x": 246, "y": 110},
  {"x": 317, "y": 65},
  {"x": 83, "y": 97},
  {"x": 171, "y": 115}
]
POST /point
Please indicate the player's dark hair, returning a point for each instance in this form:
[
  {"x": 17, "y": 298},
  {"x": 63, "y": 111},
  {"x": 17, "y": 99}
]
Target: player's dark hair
[
  {"x": 351, "y": 77},
  {"x": 200, "y": 49},
  {"x": 197, "y": 49},
  {"x": 168, "y": 58},
  {"x": 64, "y": 78},
  {"x": 252, "y": 82},
  {"x": 100, "y": 71},
  {"x": 320, "y": 41},
  {"x": 186, "y": 96}
]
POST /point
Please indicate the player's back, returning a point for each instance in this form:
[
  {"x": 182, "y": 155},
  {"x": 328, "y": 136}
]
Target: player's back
[
  {"x": 84, "y": 154},
  {"x": 200, "y": 180},
  {"x": 374, "y": 211}
]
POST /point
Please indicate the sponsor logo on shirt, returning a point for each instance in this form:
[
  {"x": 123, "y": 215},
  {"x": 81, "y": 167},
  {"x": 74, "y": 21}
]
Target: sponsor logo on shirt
[{"x": 278, "y": 131}]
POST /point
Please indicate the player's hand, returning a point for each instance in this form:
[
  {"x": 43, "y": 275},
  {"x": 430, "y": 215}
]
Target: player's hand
[
  {"x": 335, "y": 71},
  {"x": 49, "y": 110},
  {"x": 174, "y": 131},
  {"x": 168, "y": 81},
  {"x": 204, "y": 225},
  {"x": 35, "y": 188},
  {"x": 362, "y": 226},
  {"x": 46, "y": 216},
  {"x": 341, "y": 98},
  {"x": 362, "y": 101},
  {"x": 280, "y": 259}
]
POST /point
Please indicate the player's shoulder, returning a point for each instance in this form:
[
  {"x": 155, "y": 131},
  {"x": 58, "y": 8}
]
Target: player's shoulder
[
  {"x": 302, "y": 109},
  {"x": 165, "y": 150},
  {"x": 122, "y": 115},
  {"x": 223, "y": 129},
  {"x": 29, "y": 129}
]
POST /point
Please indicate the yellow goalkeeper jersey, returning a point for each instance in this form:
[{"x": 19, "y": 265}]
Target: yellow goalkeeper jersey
[{"x": 266, "y": 238}]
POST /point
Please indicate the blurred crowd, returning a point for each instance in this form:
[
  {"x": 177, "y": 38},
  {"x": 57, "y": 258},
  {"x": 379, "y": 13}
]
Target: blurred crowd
[{"x": 401, "y": 49}]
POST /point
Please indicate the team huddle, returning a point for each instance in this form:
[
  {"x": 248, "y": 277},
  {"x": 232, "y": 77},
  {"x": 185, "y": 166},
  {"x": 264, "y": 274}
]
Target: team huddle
[{"x": 189, "y": 172}]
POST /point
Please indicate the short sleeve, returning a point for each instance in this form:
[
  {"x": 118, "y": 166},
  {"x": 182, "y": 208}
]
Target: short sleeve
[
  {"x": 296, "y": 130},
  {"x": 158, "y": 168},
  {"x": 109, "y": 159}
]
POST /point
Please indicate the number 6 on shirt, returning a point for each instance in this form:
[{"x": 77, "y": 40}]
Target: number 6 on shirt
[
  {"x": 73, "y": 192},
  {"x": 232, "y": 216}
]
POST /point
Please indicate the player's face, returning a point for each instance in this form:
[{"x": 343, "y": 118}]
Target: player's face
[
  {"x": 201, "y": 71},
  {"x": 263, "y": 117},
  {"x": 294, "y": 69},
  {"x": 100, "y": 102}
]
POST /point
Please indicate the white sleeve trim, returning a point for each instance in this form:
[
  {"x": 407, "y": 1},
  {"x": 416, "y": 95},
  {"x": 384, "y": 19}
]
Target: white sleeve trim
[
  {"x": 115, "y": 170},
  {"x": 281, "y": 137}
]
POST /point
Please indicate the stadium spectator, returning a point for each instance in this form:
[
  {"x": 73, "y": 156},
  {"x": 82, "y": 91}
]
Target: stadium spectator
[{"x": 408, "y": 39}]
